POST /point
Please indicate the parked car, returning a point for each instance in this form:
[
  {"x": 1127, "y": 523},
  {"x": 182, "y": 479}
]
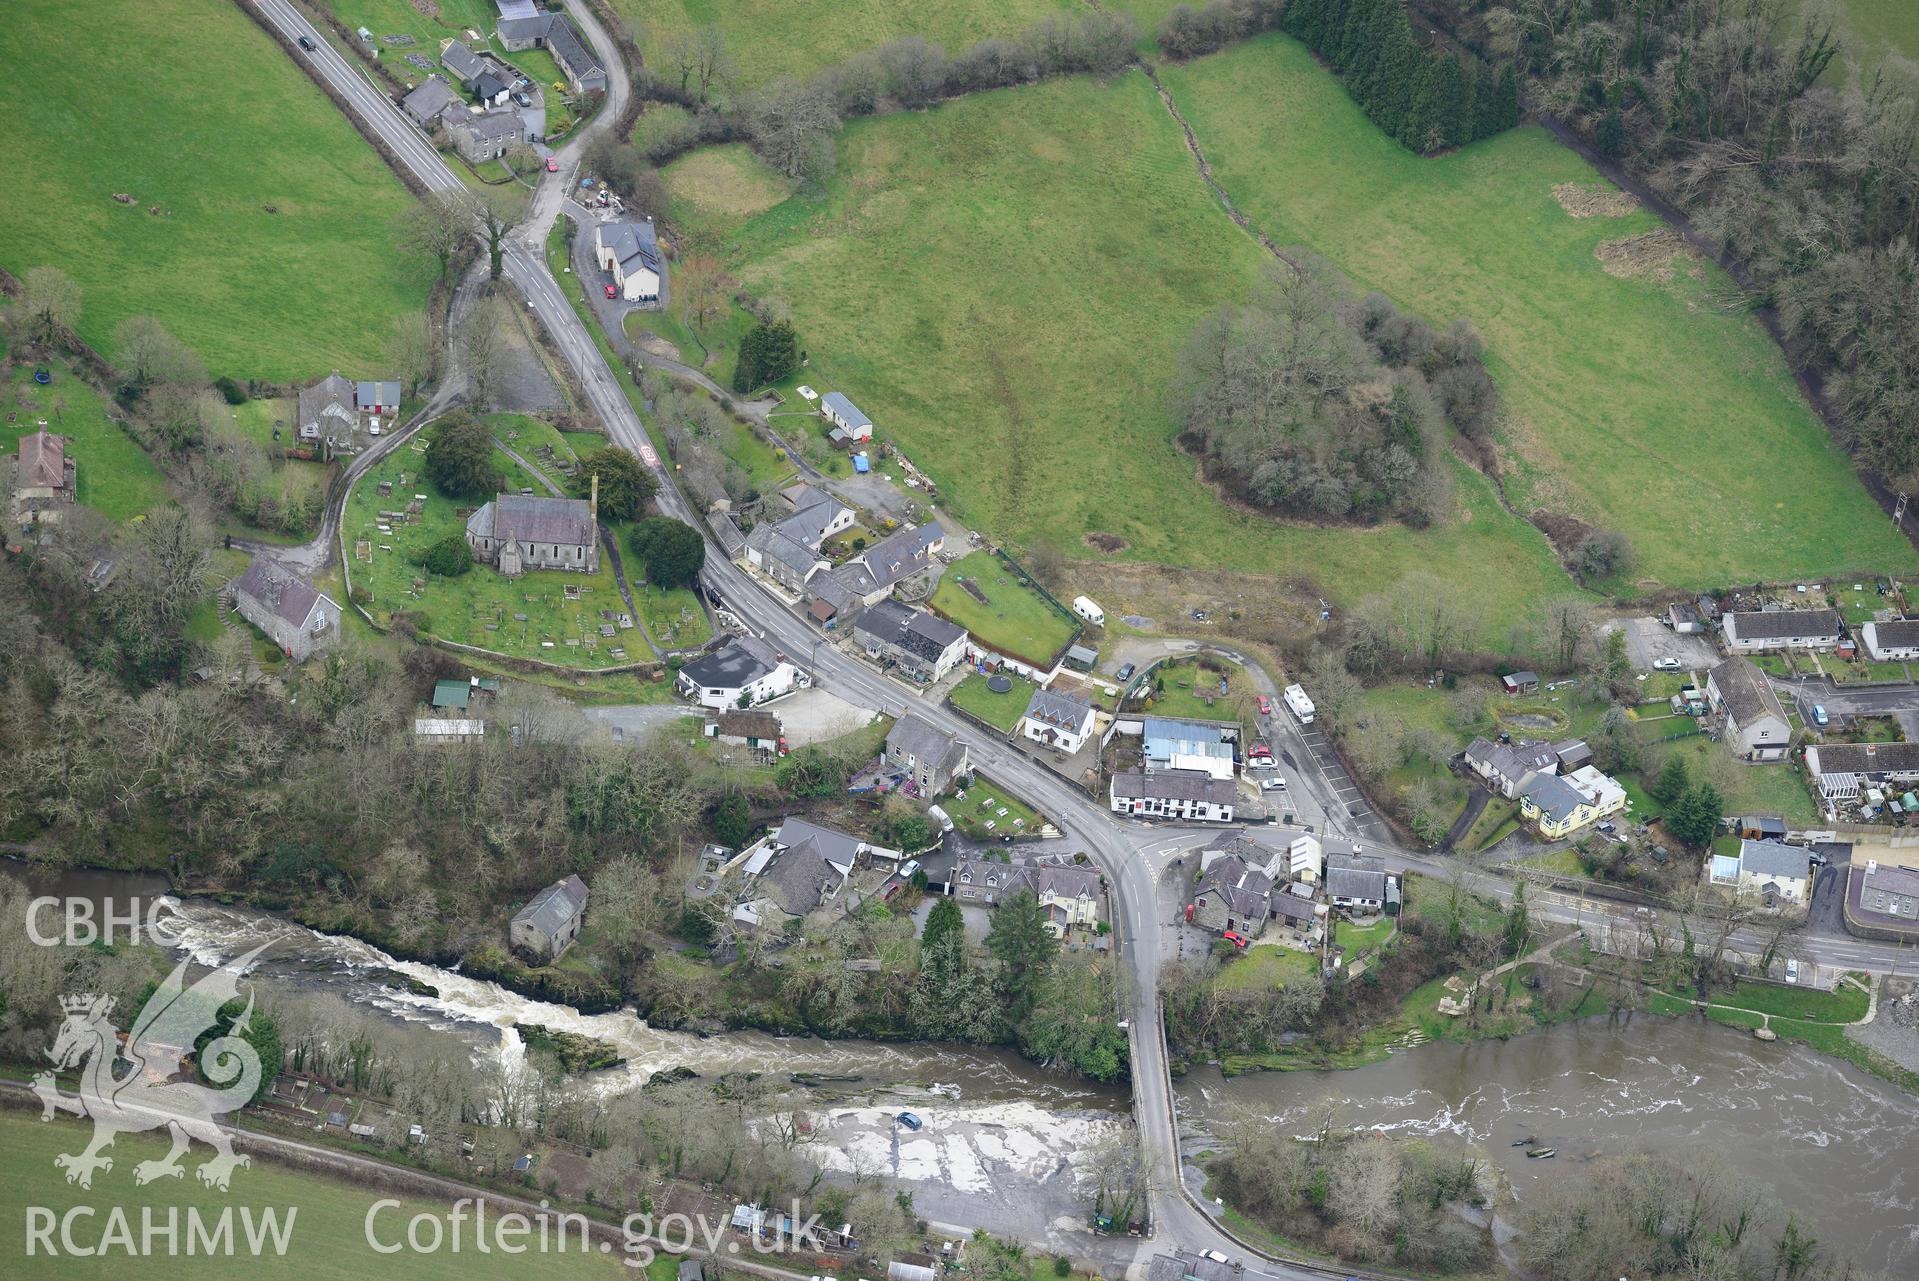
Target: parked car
[
  {"x": 1272, "y": 785},
  {"x": 1237, "y": 940},
  {"x": 1214, "y": 1255},
  {"x": 909, "y": 867},
  {"x": 1819, "y": 716},
  {"x": 1792, "y": 971},
  {"x": 523, "y": 99},
  {"x": 611, "y": 292},
  {"x": 909, "y": 1120},
  {"x": 1265, "y": 705},
  {"x": 306, "y": 44},
  {"x": 1666, "y": 664},
  {"x": 1125, "y": 672},
  {"x": 552, "y": 165}
]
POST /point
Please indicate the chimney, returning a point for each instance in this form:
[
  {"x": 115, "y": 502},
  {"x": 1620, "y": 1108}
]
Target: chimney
[{"x": 594, "y": 500}]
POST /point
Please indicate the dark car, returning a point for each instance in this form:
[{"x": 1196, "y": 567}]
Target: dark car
[
  {"x": 306, "y": 44},
  {"x": 1125, "y": 672}
]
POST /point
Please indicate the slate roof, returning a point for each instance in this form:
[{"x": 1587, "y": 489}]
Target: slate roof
[
  {"x": 524, "y": 26},
  {"x": 1572, "y": 753},
  {"x": 836, "y": 846},
  {"x": 1745, "y": 691},
  {"x": 633, "y": 244},
  {"x": 1059, "y": 710},
  {"x": 529, "y": 519},
  {"x": 1293, "y": 909},
  {"x": 511, "y": 9},
  {"x": 489, "y": 84},
  {"x": 1863, "y": 758},
  {"x": 332, "y": 396},
  {"x": 1062, "y": 880},
  {"x": 1512, "y": 760},
  {"x": 1897, "y": 634},
  {"x": 896, "y": 556},
  {"x": 553, "y": 907},
  {"x": 564, "y": 43},
  {"x": 1771, "y": 858},
  {"x": 1784, "y": 624},
  {"x": 799, "y": 878},
  {"x": 1350, "y": 876},
  {"x": 490, "y": 125},
  {"x": 1892, "y": 880},
  {"x": 915, "y": 631},
  {"x": 430, "y": 100},
  {"x": 848, "y": 412},
  {"x": 370, "y": 392},
  {"x": 1247, "y": 890},
  {"x": 924, "y": 741},
  {"x": 279, "y": 589},
  {"x": 734, "y": 665},
  {"x": 462, "y": 61},
  {"x": 732, "y": 541},
  {"x": 43, "y": 461},
  {"x": 773, "y": 543},
  {"x": 1175, "y": 785}
]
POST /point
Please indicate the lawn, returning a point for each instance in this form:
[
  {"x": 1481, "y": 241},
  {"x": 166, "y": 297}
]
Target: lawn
[
  {"x": 112, "y": 474},
  {"x": 271, "y": 253},
  {"x": 987, "y": 811},
  {"x": 1360, "y": 939},
  {"x": 999, "y": 710},
  {"x": 327, "y": 1241},
  {"x": 541, "y": 444},
  {"x": 1041, "y": 410},
  {"x": 1879, "y": 27},
  {"x": 1185, "y": 689},
  {"x": 1013, "y": 618},
  {"x": 530, "y": 617},
  {"x": 1263, "y": 967},
  {"x": 1631, "y": 403},
  {"x": 772, "y": 38}
]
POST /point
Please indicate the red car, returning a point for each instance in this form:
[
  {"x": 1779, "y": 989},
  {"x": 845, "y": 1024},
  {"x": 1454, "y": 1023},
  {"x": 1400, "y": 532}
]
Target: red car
[
  {"x": 1237, "y": 940},
  {"x": 1265, "y": 705},
  {"x": 552, "y": 165},
  {"x": 611, "y": 292}
]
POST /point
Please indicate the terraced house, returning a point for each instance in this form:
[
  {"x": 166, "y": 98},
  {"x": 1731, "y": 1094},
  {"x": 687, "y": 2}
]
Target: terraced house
[{"x": 1775, "y": 629}]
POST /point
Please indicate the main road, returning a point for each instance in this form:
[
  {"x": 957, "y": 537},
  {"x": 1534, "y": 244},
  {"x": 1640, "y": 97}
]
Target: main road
[{"x": 1177, "y": 1217}]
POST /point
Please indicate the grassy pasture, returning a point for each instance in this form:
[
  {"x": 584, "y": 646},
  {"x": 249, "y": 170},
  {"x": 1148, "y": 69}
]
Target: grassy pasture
[
  {"x": 1014, "y": 619},
  {"x": 773, "y": 38},
  {"x": 210, "y": 136},
  {"x": 1004, "y": 283},
  {"x": 1632, "y": 403},
  {"x": 113, "y": 475}
]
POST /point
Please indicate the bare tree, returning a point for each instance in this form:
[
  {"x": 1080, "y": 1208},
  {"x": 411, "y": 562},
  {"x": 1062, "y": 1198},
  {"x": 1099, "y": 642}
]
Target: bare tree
[
  {"x": 491, "y": 214},
  {"x": 51, "y": 303},
  {"x": 792, "y": 127},
  {"x": 435, "y": 227},
  {"x": 482, "y": 347},
  {"x": 701, "y": 58},
  {"x": 704, "y": 289},
  {"x": 148, "y": 354},
  {"x": 409, "y": 349}
]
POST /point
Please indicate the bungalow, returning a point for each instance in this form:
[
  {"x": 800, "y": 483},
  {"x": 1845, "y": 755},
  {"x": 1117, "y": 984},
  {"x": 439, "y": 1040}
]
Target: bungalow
[
  {"x": 756, "y": 729},
  {"x": 1748, "y": 632},
  {"x": 1068, "y": 894},
  {"x": 927, "y": 754},
  {"x": 630, "y": 251},
  {"x": 548, "y": 924},
  {"x": 845, "y": 415},
  {"x": 1232, "y": 895},
  {"x": 295, "y": 615},
  {"x": 1756, "y": 725},
  {"x": 1555, "y": 806},
  {"x": 1504, "y": 767},
  {"x": 1173, "y": 793},
  {"x": 1358, "y": 883},
  {"x": 1769, "y": 870},
  {"x": 1057, "y": 719},
  {"x": 1520, "y": 683},
  {"x": 1893, "y": 642},
  {"x": 1190, "y": 745},
  {"x": 1845, "y": 771},
  {"x": 741, "y": 672},
  {"x": 42, "y": 479},
  {"x": 923, "y": 646}
]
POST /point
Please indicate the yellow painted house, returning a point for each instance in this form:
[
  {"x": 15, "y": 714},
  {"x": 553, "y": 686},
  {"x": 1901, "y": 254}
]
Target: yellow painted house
[{"x": 1555, "y": 806}]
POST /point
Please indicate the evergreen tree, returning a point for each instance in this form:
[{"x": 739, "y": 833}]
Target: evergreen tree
[
  {"x": 1519, "y": 925},
  {"x": 1672, "y": 781},
  {"x": 1695, "y": 818},
  {"x": 943, "y": 922},
  {"x": 1024, "y": 949},
  {"x": 1609, "y": 137},
  {"x": 732, "y": 821}
]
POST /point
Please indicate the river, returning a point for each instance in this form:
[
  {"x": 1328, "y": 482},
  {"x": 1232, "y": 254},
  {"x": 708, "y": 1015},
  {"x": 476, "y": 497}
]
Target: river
[
  {"x": 1833, "y": 1143},
  {"x": 1001, "y": 1156}
]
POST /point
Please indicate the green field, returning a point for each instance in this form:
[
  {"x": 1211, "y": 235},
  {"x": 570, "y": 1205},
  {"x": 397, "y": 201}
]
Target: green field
[
  {"x": 1015, "y": 619},
  {"x": 529, "y": 617},
  {"x": 327, "y": 1242},
  {"x": 1630, "y": 403},
  {"x": 1039, "y": 403},
  {"x": 112, "y": 474},
  {"x": 1879, "y": 27},
  {"x": 772, "y": 38},
  {"x": 188, "y": 107},
  {"x": 999, "y": 710}
]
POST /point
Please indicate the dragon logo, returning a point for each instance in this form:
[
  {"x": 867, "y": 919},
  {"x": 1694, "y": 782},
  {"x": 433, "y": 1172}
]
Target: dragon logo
[{"x": 145, "y": 1098}]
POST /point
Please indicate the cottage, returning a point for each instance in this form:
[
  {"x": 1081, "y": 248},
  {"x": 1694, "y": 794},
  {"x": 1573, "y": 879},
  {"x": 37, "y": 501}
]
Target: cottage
[
  {"x": 870, "y": 577},
  {"x": 1893, "y": 642},
  {"x": 782, "y": 558},
  {"x": 518, "y": 532},
  {"x": 926, "y": 754},
  {"x": 552, "y": 32},
  {"x": 741, "y": 672},
  {"x": 1845, "y": 771},
  {"x": 800, "y": 868},
  {"x": 462, "y": 63},
  {"x": 328, "y": 419},
  {"x": 1520, "y": 683},
  {"x": 485, "y": 135},
  {"x": 1068, "y": 894},
  {"x": 1756, "y": 726},
  {"x": 757, "y": 729},
  {"x": 1889, "y": 891},
  {"x": 294, "y": 614},
  {"x": 631, "y": 252},
  {"x": 43, "y": 480},
  {"x": 845, "y": 415},
  {"x": 1195, "y": 745},
  {"x": 1504, "y": 767},
  {"x": 1555, "y": 806},
  {"x": 1774, "y": 629},
  {"x": 426, "y": 104},
  {"x": 924, "y": 647},
  {"x": 1770, "y": 870},
  {"x": 1174, "y": 793},
  {"x": 548, "y": 924},
  {"x": 1057, "y": 719},
  {"x": 1232, "y": 896},
  {"x": 1360, "y": 884}
]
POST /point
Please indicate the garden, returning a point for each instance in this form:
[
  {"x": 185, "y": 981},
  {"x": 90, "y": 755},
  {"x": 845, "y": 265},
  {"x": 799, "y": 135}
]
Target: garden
[{"x": 983, "y": 594}]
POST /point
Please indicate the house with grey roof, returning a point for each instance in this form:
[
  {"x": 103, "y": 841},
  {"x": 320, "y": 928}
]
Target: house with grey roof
[
  {"x": 1896, "y": 641},
  {"x": 1173, "y": 793},
  {"x": 742, "y": 671},
  {"x": 1768, "y": 870},
  {"x": 426, "y": 104},
  {"x": 492, "y": 87},
  {"x": 1555, "y": 806},
  {"x": 755, "y": 728},
  {"x": 295, "y": 615},
  {"x": 518, "y": 532},
  {"x": 1756, "y": 725},
  {"x": 630, "y": 252},
  {"x": 1847, "y": 771},
  {"x": 846, "y": 416},
  {"x": 870, "y": 576},
  {"x": 924, "y": 647},
  {"x": 485, "y": 135},
  {"x": 1748, "y": 632},
  {"x": 781, "y": 557},
  {"x": 377, "y": 397},
  {"x": 327, "y": 418},
  {"x": 1232, "y": 895},
  {"x": 550, "y": 922},
  {"x": 1504, "y": 767},
  {"x": 552, "y": 32},
  {"x": 927, "y": 754},
  {"x": 1886, "y": 890},
  {"x": 1069, "y": 894},
  {"x": 1057, "y": 719},
  {"x": 462, "y": 63},
  {"x": 801, "y": 868},
  {"x": 1360, "y": 883}
]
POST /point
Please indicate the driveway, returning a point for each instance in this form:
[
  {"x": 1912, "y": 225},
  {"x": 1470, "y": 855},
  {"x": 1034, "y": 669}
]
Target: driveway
[
  {"x": 1647, "y": 639},
  {"x": 816, "y": 715},
  {"x": 627, "y": 723}
]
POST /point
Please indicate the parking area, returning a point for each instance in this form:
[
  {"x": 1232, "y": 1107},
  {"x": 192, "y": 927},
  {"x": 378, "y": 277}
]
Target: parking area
[{"x": 1648, "y": 640}]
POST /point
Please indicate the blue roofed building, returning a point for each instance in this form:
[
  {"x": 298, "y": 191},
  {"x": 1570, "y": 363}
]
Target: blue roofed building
[{"x": 1176, "y": 744}]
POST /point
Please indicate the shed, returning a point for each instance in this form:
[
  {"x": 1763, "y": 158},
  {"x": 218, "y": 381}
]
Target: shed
[
  {"x": 1082, "y": 659},
  {"x": 452, "y": 694},
  {"x": 1520, "y": 683}
]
